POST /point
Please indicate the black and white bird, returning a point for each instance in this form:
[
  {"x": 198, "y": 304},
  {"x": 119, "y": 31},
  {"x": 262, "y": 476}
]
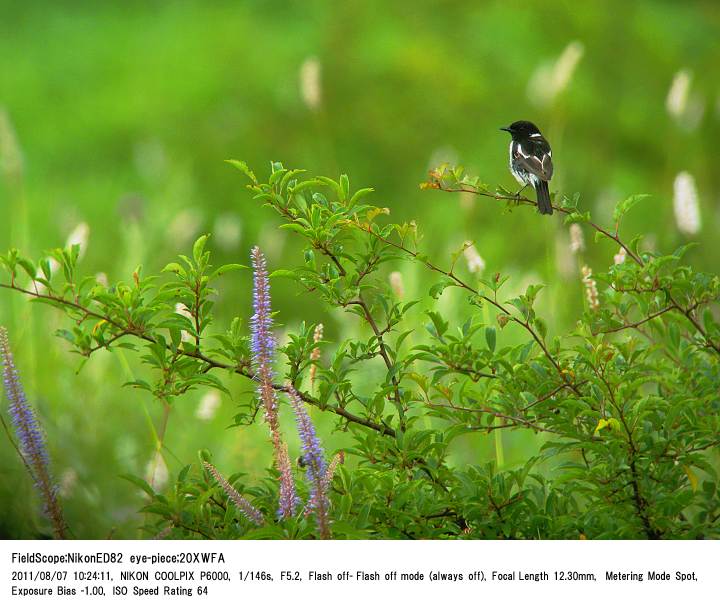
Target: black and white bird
[{"x": 531, "y": 161}]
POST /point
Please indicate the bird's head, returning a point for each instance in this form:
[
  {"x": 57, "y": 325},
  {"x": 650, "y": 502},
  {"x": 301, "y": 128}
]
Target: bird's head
[{"x": 521, "y": 129}]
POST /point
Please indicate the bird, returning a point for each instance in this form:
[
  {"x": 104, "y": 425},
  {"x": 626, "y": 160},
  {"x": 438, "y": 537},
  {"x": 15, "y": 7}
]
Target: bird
[{"x": 531, "y": 161}]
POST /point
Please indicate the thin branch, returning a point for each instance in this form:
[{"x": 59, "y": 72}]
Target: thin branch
[
  {"x": 500, "y": 415},
  {"x": 339, "y": 410},
  {"x": 381, "y": 343},
  {"x": 614, "y": 236},
  {"x": 547, "y": 396},
  {"x": 475, "y": 375},
  {"x": 691, "y": 318},
  {"x": 637, "y": 323},
  {"x": 107, "y": 343},
  {"x": 360, "y": 301},
  {"x": 461, "y": 284},
  {"x": 212, "y": 363},
  {"x": 563, "y": 210},
  {"x": 640, "y": 502}
]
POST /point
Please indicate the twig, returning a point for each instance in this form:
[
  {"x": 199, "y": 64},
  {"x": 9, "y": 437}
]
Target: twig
[
  {"x": 500, "y": 415},
  {"x": 636, "y": 324},
  {"x": 614, "y": 236},
  {"x": 563, "y": 210},
  {"x": 461, "y": 284},
  {"x": 212, "y": 363}
]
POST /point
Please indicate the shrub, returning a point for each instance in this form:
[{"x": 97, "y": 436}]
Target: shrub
[{"x": 626, "y": 404}]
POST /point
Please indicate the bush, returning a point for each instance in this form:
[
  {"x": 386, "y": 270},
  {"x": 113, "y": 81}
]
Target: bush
[{"x": 626, "y": 404}]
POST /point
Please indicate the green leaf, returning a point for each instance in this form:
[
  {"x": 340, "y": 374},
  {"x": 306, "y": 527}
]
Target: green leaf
[
  {"x": 363, "y": 192},
  {"x": 504, "y": 192},
  {"x": 305, "y": 185},
  {"x": 283, "y": 273},
  {"x": 625, "y": 206},
  {"x": 28, "y": 266},
  {"x": 242, "y": 166},
  {"x": 225, "y": 268},
  {"x": 46, "y": 269},
  {"x": 437, "y": 289},
  {"x": 490, "y": 337},
  {"x": 173, "y": 267},
  {"x": 140, "y": 483},
  {"x": 344, "y": 187},
  {"x": 199, "y": 247},
  {"x": 138, "y": 384},
  {"x": 692, "y": 477},
  {"x": 439, "y": 323}
]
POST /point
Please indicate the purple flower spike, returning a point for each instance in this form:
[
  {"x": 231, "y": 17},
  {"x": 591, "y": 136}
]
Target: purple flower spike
[
  {"x": 263, "y": 352},
  {"x": 315, "y": 465},
  {"x": 247, "y": 508},
  {"x": 30, "y": 437},
  {"x": 262, "y": 340},
  {"x": 289, "y": 501}
]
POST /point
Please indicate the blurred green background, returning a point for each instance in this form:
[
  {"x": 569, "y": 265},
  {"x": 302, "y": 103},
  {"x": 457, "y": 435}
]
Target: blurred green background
[{"x": 116, "y": 119}]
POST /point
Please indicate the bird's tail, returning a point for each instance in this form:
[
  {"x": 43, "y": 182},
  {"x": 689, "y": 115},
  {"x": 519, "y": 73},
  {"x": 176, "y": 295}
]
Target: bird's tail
[{"x": 543, "y": 197}]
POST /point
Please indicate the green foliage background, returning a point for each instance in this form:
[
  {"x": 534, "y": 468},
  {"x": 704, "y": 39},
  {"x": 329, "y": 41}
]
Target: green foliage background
[{"x": 124, "y": 113}]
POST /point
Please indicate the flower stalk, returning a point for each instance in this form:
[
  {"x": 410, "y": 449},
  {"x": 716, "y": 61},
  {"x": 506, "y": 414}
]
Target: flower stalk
[
  {"x": 315, "y": 465},
  {"x": 242, "y": 504},
  {"x": 30, "y": 438},
  {"x": 315, "y": 355},
  {"x": 591, "y": 291},
  {"x": 263, "y": 351}
]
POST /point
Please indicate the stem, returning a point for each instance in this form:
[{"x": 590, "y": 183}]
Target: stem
[
  {"x": 241, "y": 369},
  {"x": 160, "y": 439},
  {"x": 637, "y": 324},
  {"x": 381, "y": 343},
  {"x": 17, "y": 448},
  {"x": 461, "y": 284},
  {"x": 640, "y": 503},
  {"x": 500, "y": 415},
  {"x": 613, "y": 235},
  {"x": 563, "y": 210}
]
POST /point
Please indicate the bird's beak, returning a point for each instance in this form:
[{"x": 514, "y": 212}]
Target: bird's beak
[{"x": 505, "y": 129}]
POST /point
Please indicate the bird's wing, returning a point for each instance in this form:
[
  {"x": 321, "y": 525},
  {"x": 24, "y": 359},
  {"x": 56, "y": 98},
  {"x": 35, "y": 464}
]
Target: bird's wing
[{"x": 535, "y": 158}]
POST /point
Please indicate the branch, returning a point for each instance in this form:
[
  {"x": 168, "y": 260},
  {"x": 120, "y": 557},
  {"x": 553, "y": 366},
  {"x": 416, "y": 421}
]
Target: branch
[
  {"x": 461, "y": 284},
  {"x": 637, "y": 323},
  {"x": 212, "y": 363},
  {"x": 525, "y": 201},
  {"x": 547, "y": 396},
  {"x": 517, "y": 420},
  {"x": 613, "y": 235},
  {"x": 640, "y": 502},
  {"x": 688, "y": 314},
  {"x": 339, "y": 410},
  {"x": 381, "y": 343}
]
